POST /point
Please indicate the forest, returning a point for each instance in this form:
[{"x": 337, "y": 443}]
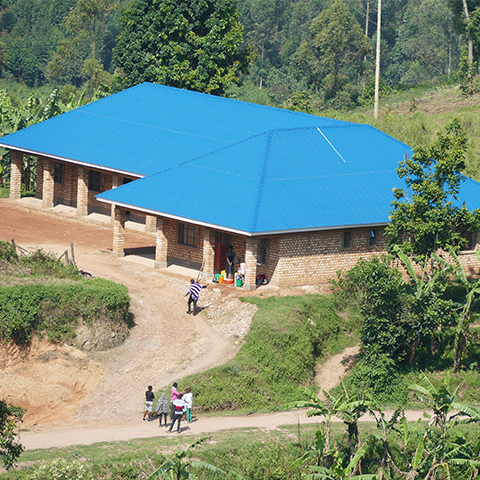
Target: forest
[{"x": 321, "y": 49}]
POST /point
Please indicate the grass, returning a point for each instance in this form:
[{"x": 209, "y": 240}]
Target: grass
[
  {"x": 287, "y": 337},
  {"x": 251, "y": 452}
]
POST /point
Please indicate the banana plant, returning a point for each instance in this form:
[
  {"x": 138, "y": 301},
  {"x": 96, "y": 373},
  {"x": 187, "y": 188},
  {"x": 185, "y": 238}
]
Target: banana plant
[
  {"x": 337, "y": 472},
  {"x": 473, "y": 292},
  {"x": 447, "y": 413},
  {"x": 178, "y": 466}
]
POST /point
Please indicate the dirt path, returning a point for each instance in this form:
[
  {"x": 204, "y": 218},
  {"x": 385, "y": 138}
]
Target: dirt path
[
  {"x": 75, "y": 397},
  {"x": 329, "y": 374},
  {"x": 165, "y": 344}
]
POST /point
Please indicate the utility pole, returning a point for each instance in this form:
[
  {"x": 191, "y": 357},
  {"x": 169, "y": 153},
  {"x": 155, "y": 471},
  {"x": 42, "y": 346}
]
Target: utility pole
[{"x": 377, "y": 60}]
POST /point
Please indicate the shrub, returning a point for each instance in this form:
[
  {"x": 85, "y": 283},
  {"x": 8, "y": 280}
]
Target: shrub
[
  {"x": 55, "y": 309},
  {"x": 61, "y": 469},
  {"x": 7, "y": 252}
]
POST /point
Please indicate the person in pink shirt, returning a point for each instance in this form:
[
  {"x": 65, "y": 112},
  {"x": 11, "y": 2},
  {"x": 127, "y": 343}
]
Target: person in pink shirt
[{"x": 174, "y": 395}]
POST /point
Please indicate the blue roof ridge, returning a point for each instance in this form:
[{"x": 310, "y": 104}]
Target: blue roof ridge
[
  {"x": 230, "y": 145},
  {"x": 261, "y": 181},
  {"x": 266, "y": 132},
  {"x": 385, "y": 135},
  {"x": 293, "y": 112}
]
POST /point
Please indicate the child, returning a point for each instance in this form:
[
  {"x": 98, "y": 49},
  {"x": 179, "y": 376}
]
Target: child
[
  {"x": 149, "y": 398},
  {"x": 179, "y": 405},
  {"x": 162, "y": 408},
  {"x": 188, "y": 399}
]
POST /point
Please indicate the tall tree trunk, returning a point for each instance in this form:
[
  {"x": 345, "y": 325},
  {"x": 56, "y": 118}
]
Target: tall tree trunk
[
  {"x": 377, "y": 60},
  {"x": 469, "y": 34},
  {"x": 367, "y": 21}
]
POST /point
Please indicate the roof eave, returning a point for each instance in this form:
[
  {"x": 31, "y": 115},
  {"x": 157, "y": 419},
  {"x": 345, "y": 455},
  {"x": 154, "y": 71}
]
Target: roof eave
[
  {"x": 236, "y": 231},
  {"x": 71, "y": 160}
]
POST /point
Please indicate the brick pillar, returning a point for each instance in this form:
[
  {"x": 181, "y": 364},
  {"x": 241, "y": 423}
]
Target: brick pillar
[
  {"x": 16, "y": 175},
  {"x": 69, "y": 180},
  {"x": 39, "y": 185},
  {"x": 82, "y": 192},
  {"x": 250, "y": 264},
  {"x": 119, "y": 233},
  {"x": 115, "y": 183},
  {"x": 150, "y": 223},
  {"x": 48, "y": 183},
  {"x": 161, "y": 251},
  {"x": 208, "y": 254}
]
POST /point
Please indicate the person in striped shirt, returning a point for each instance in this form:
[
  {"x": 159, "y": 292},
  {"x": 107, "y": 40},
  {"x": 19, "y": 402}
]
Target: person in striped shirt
[{"x": 194, "y": 292}]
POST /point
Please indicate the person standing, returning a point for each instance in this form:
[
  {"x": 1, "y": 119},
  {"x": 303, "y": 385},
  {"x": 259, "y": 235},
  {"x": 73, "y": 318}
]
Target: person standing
[
  {"x": 188, "y": 399},
  {"x": 162, "y": 408},
  {"x": 174, "y": 394},
  {"x": 194, "y": 292},
  {"x": 178, "y": 406},
  {"x": 149, "y": 398},
  {"x": 230, "y": 265}
]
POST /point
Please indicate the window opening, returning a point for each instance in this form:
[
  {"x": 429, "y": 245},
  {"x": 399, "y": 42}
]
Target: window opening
[
  {"x": 58, "y": 172},
  {"x": 188, "y": 235},
  {"x": 347, "y": 239},
  {"x": 95, "y": 181},
  {"x": 262, "y": 251}
]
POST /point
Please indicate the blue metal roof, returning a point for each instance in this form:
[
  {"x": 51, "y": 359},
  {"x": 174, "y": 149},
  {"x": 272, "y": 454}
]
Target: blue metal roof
[
  {"x": 230, "y": 164},
  {"x": 150, "y": 127},
  {"x": 281, "y": 180}
]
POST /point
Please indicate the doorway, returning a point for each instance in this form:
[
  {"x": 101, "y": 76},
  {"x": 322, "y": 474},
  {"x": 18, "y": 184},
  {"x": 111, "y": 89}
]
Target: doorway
[{"x": 222, "y": 242}]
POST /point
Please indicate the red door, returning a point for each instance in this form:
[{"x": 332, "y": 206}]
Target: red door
[{"x": 220, "y": 256}]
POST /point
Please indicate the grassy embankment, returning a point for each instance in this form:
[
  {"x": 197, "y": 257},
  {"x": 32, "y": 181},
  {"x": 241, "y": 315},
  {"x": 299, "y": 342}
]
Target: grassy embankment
[{"x": 42, "y": 296}]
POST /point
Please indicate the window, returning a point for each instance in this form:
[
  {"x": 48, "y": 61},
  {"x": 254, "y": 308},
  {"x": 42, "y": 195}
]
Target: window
[
  {"x": 188, "y": 235},
  {"x": 347, "y": 239},
  {"x": 372, "y": 238},
  {"x": 95, "y": 181},
  {"x": 262, "y": 251},
  {"x": 58, "y": 172},
  {"x": 126, "y": 180}
]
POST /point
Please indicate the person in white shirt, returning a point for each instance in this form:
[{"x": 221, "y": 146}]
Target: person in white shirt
[{"x": 188, "y": 399}]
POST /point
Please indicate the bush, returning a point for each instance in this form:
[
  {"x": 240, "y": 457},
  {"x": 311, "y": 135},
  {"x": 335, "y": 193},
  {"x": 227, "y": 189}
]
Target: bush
[
  {"x": 7, "y": 252},
  {"x": 55, "y": 309},
  {"x": 61, "y": 469},
  {"x": 379, "y": 375}
]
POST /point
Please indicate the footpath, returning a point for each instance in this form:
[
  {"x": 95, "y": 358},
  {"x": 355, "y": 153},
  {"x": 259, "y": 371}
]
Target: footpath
[{"x": 80, "y": 434}]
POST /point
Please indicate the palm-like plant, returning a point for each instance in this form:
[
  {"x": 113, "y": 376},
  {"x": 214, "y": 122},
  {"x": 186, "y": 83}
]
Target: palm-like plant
[
  {"x": 448, "y": 412},
  {"x": 178, "y": 466},
  {"x": 473, "y": 291}
]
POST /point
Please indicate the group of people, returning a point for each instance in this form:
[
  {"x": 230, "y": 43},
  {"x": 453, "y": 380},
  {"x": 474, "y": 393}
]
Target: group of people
[{"x": 180, "y": 405}]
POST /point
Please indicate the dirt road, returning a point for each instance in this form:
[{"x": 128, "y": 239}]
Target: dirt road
[
  {"x": 165, "y": 344},
  {"x": 77, "y": 398}
]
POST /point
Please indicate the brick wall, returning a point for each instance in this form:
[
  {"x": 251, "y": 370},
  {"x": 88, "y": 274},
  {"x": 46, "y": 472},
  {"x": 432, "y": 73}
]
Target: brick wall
[
  {"x": 313, "y": 258},
  {"x": 188, "y": 255}
]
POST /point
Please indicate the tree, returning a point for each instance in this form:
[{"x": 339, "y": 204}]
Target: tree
[
  {"x": 425, "y": 216},
  {"x": 332, "y": 58},
  {"x": 89, "y": 18},
  {"x": 472, "y": 289},
  {"x": 447, "y": 412},
  {"x": 10, "y": 450},
  {"x": 197, "y": 45},
  {"x": 464, "y": 22}
]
